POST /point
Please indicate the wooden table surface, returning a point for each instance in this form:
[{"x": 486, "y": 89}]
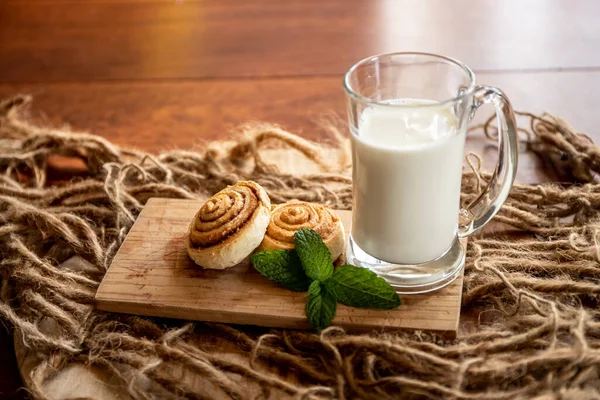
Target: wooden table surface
[{"x": 158, "y": 74}]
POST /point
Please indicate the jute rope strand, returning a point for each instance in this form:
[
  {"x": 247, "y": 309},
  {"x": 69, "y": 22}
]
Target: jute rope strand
[{"x": 530, "y": 325}]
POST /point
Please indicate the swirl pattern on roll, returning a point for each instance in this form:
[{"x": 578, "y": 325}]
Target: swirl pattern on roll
[
  {"x": 288, "y": 218},
  {"x": 224, "y": 214}
]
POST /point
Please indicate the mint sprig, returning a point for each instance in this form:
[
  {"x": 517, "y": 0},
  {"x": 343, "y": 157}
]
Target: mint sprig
[
  {"x": 320, "y": 307},
  {"x": 283, "y": 267},
  {"x": 314, "y": 287},
  {"x": 309, "y": 267},
  {"x": 359, "y": 287},
  {"x": 314, "y": 254}
]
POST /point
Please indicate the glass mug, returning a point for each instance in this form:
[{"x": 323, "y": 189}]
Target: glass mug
[{"x": 408, "y": 116}]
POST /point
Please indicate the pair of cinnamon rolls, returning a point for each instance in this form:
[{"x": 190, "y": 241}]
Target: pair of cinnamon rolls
[{"x": 239, "y": 219}]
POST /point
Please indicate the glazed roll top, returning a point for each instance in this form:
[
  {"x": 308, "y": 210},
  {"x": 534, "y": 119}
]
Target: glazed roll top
[
  {"x": 229, "y": 226},
  {"x": 289, "y": 217}
]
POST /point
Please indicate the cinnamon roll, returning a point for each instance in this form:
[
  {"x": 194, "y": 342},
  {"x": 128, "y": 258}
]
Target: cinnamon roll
[
  {"x": 289, "y": 217},
  {"x": 229, "y": 226}
]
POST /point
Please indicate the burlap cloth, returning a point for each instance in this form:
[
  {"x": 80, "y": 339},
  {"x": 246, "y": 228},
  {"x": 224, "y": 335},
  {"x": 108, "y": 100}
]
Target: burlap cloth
[{"x": 529, "y": 325}]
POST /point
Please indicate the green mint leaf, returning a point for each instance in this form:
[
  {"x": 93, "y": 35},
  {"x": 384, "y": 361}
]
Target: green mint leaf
[
  {"x": 315, "y": 287},
  {"x": 359, "y": 287},
  {"x": 320, "y": 308},
  {"x": 315, "y": 256},
  {"x": 283, "y": 267}
]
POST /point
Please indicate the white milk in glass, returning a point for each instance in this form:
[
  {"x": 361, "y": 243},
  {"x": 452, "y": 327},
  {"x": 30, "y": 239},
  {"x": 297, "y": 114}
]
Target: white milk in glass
[{"x": 407, "y": 174}]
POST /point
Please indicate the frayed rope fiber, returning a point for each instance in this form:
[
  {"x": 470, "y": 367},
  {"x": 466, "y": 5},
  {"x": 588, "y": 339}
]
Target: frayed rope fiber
[{"x": 530, "y": 324}]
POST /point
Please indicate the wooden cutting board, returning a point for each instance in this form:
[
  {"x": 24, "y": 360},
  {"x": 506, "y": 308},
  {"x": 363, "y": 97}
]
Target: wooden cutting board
[{"x": 153, "y": 275}]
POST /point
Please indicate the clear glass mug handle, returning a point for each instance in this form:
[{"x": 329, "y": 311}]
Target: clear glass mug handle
[{"x": 483, "y": 209}]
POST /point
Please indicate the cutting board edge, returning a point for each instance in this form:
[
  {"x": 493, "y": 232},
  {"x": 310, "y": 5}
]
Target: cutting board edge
[{"x": 284, "y": 322}]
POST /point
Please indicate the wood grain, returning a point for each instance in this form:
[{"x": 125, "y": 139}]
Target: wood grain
[
  {"x": 167, "y": 115},
  {"x": 68, "y": 41},
  {"x": 153, "y": 275}
]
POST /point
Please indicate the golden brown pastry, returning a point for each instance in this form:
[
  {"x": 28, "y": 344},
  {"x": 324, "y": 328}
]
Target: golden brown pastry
[
  {"x": 289, "y": 217},
  {"x": 229, "y": 226}
]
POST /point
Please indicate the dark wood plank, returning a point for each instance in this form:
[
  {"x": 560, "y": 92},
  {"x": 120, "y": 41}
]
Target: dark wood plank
[
  {"x": 161, "y": 116},
  {"x": 66, "y": 41}
]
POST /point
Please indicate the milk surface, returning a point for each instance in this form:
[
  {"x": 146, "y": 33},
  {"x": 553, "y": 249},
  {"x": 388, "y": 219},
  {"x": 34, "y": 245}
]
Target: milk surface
[{"x": 407, "y": 167}]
